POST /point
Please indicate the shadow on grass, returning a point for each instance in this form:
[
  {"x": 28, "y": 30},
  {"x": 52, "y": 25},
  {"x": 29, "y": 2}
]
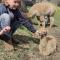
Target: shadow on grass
[
  {"x": 52, "y": 26},
  {"x": 25, "y": 39},
  {"x": 55, "y": 26},
  {"x": 21, "y": 39}
]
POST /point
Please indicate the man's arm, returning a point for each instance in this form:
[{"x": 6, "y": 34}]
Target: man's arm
[
  {"x": 24, "y": 21},
  {"x": 27, "y": 24}
]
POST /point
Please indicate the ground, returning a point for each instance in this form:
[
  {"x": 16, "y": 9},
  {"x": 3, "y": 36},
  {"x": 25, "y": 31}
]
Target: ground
[{"x": 27, "y": 49}]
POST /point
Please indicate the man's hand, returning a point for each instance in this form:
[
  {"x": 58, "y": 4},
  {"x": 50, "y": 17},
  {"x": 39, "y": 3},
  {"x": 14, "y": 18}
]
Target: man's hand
[
  {"x": 40, "y": 32},
  {"x": 36, "y": 34},
  {"x": 5, "y": 29}
]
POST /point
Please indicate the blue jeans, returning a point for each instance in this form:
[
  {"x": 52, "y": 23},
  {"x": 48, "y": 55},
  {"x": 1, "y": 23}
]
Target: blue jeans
[{"x": 5, "y": 20}]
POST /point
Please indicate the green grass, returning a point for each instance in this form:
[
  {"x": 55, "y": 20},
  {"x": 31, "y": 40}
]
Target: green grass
[
  {"x": 57, "y": 16},
  {"x": 23, "y": 31}
]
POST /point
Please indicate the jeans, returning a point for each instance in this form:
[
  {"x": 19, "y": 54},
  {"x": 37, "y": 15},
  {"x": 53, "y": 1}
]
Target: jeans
[{"x": 5, "y": 20}]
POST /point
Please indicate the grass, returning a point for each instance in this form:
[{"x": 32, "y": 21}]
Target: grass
[{"x": 57, "y": 16}]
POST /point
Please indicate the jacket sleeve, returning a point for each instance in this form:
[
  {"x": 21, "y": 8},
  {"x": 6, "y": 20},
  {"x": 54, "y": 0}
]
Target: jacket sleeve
[{"x": 24, "y": 21}]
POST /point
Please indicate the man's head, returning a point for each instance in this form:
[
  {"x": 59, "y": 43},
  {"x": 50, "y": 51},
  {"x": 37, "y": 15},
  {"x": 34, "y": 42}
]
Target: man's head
[{"x": 13, "y": 4}]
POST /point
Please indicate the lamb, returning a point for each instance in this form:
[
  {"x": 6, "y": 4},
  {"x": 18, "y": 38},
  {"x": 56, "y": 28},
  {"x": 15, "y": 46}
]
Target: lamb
[
  {"x": 44, "y": 11},
  {"x": 47, "y": 45}
]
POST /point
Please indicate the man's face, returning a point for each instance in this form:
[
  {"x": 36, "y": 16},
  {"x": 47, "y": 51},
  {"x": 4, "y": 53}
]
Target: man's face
[{"x": 13, "y": 4}]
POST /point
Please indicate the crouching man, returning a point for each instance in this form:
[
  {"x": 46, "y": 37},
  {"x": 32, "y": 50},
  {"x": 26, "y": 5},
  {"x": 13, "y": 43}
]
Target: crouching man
[{"x": 10, "y": 19}]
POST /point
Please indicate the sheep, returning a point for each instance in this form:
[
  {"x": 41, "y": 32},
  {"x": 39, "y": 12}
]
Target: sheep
[
  {"x": 44, "y": 11},
  {"x": 47, "y": 45}
]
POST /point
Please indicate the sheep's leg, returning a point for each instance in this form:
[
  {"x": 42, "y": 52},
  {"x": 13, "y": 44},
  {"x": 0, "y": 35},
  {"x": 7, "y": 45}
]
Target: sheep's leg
[
  {"x": 42, "y": 20},
  {"x": 51, "y": 21}
]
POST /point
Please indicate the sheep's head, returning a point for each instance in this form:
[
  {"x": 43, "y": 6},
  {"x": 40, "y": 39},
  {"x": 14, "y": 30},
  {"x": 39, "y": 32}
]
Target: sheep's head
[{"x": 42, "y": 32}]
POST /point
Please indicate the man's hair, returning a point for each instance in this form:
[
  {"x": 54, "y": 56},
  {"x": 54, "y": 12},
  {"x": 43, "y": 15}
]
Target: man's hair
[{"x": 3, "y": 0}]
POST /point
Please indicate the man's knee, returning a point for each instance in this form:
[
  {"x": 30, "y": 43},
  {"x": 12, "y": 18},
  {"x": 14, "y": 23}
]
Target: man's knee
[
  {"x": 5, "y": 20},
  {"x": 5, "y": 16}
]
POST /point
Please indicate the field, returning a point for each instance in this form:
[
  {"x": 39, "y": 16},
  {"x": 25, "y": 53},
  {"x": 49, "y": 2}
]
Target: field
[{"x": 27, "y": 49}]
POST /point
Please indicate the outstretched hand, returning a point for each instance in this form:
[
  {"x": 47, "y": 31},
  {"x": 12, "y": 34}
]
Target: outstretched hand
[
  {"x": 40, "y": 32},
  {"x": 5, "y": 29}
]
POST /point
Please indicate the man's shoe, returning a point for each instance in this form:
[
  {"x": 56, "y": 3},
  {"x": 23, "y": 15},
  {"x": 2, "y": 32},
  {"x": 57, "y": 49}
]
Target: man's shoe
[{"x": 15, "y": 41}]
